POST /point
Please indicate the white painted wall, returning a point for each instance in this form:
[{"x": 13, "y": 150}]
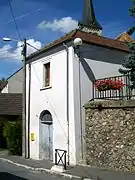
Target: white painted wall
[
  {"x": 53, "y": 99},
  {"x": 102, "y": 62}
]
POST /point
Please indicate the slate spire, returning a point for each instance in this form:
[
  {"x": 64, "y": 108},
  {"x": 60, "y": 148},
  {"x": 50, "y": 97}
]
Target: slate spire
[{"x": 89, "y": 22}]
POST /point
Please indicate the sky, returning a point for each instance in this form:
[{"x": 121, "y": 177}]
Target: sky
[{"x": 43, "y": 21}]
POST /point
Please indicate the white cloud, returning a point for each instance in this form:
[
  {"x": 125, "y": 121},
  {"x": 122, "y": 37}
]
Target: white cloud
[
  {"x": 7, "y": 52},
  {"x": 66, "y": 24}
]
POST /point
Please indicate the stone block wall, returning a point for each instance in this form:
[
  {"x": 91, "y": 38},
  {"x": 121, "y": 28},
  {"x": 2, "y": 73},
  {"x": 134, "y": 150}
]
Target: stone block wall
[{"x": 110, "y": 134}]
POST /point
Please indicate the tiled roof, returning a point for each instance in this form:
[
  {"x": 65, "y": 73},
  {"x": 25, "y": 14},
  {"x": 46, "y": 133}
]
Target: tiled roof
[
  {"x": 88, "y": 38},
  {"x": 10, "y": 104},
  {"x": 125, "y": 37}
]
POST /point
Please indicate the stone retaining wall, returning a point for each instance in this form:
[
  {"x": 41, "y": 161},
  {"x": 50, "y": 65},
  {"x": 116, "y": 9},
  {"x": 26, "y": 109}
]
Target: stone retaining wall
[{"x": 110, "y": 134}]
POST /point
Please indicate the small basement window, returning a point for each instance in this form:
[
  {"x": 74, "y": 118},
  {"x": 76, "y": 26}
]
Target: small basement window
[{"x": 47, "y": 74}]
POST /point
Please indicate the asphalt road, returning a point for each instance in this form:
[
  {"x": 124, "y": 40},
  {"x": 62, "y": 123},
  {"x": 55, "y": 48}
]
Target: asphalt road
[{"x": 12, "y": 172}]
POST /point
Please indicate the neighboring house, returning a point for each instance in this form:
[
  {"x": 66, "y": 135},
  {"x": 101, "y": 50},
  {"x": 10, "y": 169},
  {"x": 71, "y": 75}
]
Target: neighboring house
[
  {"x": 59, "y": 82},
  {"x": 14, "y": 83},
  {"x": 10, "y": 102},
  {"x": 125, "y": 37},
  {"x": 10, "y": 110},
  {"x": 11, "y": 96}
]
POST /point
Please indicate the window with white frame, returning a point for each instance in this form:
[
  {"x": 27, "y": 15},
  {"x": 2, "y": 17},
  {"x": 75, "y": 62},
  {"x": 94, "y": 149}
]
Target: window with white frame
[{"x": 46, "y": 72}]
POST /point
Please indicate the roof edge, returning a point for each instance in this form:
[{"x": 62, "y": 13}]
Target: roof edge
[{"x": 73, "y": 34}]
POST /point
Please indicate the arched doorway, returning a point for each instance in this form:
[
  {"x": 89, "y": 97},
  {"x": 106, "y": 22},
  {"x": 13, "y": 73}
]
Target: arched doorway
[{"x": 46, "y": 135}]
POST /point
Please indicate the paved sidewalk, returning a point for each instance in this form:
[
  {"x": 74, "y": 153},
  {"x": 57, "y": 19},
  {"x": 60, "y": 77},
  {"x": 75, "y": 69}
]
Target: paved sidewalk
[{"x": 77, "y": 171}]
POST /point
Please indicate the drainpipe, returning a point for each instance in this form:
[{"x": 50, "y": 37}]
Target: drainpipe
[
  {"x": 29, "y": 98},
  {"x": 67, "y": 80},
  {"x": 80, "y": 94},
  {"x": 24, "y": 148},
  {"x": 77, "y": 51}
]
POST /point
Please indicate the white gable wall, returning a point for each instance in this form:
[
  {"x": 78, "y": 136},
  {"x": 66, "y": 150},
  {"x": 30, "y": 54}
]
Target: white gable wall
[
  {"x": 54, "y": 100},
  {"x": 95, "y": 62}
]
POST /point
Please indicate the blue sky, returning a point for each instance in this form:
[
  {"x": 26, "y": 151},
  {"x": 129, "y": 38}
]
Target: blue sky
[{"x": 42, "y": 21}]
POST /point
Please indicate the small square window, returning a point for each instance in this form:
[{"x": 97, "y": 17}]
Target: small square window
[{"x": 47, "y": 74}]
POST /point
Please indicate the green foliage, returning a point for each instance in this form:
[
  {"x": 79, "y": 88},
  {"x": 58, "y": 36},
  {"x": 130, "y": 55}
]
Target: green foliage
[
  {"x": 13, "y": 134},
  {"x": 3, "y": 83},
  {"x": 129, "y": 62},
  {"x": 132, "y": 9}
]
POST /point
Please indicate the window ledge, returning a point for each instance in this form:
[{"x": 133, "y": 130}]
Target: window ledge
[{"x": 44, "y": 88}]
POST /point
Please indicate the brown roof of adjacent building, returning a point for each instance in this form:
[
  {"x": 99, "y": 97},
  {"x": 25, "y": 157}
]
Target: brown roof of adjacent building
[
  {"x": 88, "y": 38},
  {"x": 125, "y": 37},
  {"x": 10, "y": 104}
]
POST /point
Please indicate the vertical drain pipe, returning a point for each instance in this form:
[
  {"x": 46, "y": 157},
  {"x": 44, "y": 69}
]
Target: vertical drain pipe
[
  {"x": 29, "y": 98},
  {"x": 77, "y": 43},
  {"x": 80, "y": 94},
  {"x": 67, "y": 80}
]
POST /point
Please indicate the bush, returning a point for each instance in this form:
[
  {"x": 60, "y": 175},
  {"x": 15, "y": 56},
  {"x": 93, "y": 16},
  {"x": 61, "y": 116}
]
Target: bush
[{"x": 13, "y": 134}]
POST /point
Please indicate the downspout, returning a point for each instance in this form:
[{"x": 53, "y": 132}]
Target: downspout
[
  {"x": 24, "y": 125},
  {"x": 80, "y": 94},
  {"x": 67, "y": 80},
  {"x": 29, "y": 98},
  {"x": 77, "y": 51}
]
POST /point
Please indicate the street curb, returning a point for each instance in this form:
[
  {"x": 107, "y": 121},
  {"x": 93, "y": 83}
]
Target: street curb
[{"x": 72, "y": 177}]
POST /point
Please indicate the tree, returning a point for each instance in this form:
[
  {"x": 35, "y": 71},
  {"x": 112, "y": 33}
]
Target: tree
[
  {"x": 3, "y": 83},
  {"x": 129, "y": 62}
]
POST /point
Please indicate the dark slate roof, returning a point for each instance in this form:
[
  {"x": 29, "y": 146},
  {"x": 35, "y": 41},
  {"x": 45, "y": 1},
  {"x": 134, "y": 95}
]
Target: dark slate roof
[{"x": 10, "y": 104}]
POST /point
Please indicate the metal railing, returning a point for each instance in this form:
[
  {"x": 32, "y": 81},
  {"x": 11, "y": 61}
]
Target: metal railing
[
  {"x": 124, "y": 93},
  {"x": 61, "y": 157}
]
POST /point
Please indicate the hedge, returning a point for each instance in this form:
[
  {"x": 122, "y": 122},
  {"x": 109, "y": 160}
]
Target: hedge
[{"x": 13, "y": 134}]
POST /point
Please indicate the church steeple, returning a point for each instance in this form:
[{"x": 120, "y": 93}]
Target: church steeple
[{"x": 89, "y": 23}]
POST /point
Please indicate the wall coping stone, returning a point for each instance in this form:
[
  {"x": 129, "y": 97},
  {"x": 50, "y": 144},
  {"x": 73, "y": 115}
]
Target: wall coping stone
[{"x": 110, "y": 104}]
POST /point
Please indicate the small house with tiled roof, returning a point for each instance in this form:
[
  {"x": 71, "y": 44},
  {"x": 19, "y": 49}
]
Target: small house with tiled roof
[
  {"x": 11, "y": 95},
  {"x": 60, "y": 81}
]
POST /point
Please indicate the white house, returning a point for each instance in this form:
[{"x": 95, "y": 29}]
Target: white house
[{"x": 59, "y": 83}]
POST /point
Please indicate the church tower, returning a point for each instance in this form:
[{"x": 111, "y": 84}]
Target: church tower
[{"x": 89, "y": 22}]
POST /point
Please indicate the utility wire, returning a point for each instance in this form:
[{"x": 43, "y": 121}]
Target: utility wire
[
  {"x": 17, "y": 28},
  {"x": 11, "y": 9},
  {"x": 32, "y": 46},
  {"x": 24, "y": 15},
  {"x": 5, "y": 52}
]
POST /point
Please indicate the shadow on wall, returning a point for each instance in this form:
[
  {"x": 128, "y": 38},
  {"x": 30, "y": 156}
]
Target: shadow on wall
[
  {"x": 7, "y": 176},
  {"x": 87, "y": 69},
  {"x": 102, "y": 54}
]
